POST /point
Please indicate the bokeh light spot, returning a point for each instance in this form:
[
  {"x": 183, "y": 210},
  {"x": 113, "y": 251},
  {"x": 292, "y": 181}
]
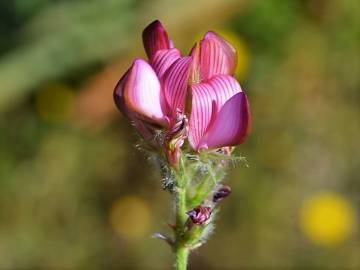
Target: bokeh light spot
[
  {"x": 327, "y": 219},
  {"x": 55, "y": 103},
  {"x": 130, "y": 217}
]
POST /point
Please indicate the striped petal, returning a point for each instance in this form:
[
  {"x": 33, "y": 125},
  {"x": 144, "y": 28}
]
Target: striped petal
[
  {"x": 207, "y": 100},
  {"x": 155, "y": 38},
  {"x": 231, "y": 126},
  {"x": 213, "y": 56},
  {"x": 175, "y": 84},
  {"x": 142, "y": 92},
  {"x": 163, "y": 59}
]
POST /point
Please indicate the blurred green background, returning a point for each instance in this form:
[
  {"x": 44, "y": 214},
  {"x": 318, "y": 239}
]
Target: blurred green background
[{"x": 74, "y": 192}]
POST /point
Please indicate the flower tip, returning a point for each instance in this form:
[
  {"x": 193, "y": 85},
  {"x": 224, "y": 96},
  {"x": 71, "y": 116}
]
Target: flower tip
[
  {"x": 156, "y": 23},
  {"x": 155, "y": 38},
  {"x": 138, "y": 62},
  {"x": 215, "y": 36},
  {"x": 154, "y": 27},
  {"x": 210, "y": 34}
]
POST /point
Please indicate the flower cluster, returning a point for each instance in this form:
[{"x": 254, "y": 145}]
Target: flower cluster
[
  {"x": 194, "y": 97},
  {"x": 191, "y": 111}
]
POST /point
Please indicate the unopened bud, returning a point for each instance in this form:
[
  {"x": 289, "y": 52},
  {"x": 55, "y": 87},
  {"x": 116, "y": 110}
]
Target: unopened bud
[
  {"x": 178, "y": 132},
  {"x": 175, "y": 138},
  {"x": 221, "y": 193},
  {"x": 200, "y": 214}
]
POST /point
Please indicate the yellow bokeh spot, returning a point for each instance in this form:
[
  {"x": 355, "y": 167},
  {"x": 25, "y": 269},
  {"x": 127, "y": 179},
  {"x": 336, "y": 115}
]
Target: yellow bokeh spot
[
  {"x": 55, "y": 103},
  {"x": 241, "y": 48},
  {"x": 130, "y": 217},
  {"x": 327, "y": 219}
]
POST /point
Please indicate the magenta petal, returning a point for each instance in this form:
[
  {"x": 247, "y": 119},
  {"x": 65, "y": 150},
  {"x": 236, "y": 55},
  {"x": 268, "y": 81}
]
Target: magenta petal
[
  {"x": 175, "y": 84},
  {"x": 144, "y": 129},
  {"x": 224, "y": 87},
  {"x": 201, "y": 112},
  {"x": 119, "y": 96},
  {"x": 231, "y": 126},
  {"x": 155, "y": 38},
  {"x": 207, "y": 99},
  {"x": 163, "y": 59},
  {"x": 142, "y": 92},
  {"x": 215, "y": 57},
  {"x": 195, "y": 75}
]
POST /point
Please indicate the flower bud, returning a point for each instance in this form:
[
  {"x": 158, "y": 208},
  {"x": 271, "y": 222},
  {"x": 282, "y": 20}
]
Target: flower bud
[
  {"x": 221, "y": 193},
  {"x": 179, "y": 130},
  {"x": 175, "y": 138},
  {"x": 200, "y": 214}
]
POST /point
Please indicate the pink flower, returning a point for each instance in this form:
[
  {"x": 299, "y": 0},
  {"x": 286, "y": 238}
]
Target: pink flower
[
  {"x": 153, "y": 94},
  {"x": 220, "y": 114}
]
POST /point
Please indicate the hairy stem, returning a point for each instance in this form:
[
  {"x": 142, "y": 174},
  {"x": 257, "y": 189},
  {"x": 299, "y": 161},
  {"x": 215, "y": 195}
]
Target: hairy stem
[
  {"x": 181, "y": 251},
  {"x": 182, "y": 254},
  {"x": 180, "y": 209}
]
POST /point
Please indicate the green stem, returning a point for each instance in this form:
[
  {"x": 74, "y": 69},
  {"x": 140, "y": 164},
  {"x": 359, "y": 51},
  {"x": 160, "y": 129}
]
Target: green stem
[
  {"x": 181, "y": 251},
  {"x": 182, "y": 254},
  {"x": 181, "y": 216}
]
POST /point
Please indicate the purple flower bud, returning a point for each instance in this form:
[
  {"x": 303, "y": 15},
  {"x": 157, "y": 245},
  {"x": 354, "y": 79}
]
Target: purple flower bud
[
  {"x": 221, "y": 193},
  {"x": 200, "y": 214}
]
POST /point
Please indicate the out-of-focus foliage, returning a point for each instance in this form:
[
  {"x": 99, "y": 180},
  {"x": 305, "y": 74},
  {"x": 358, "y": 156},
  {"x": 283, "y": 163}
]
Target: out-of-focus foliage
[{"x": 74, "y": 192}]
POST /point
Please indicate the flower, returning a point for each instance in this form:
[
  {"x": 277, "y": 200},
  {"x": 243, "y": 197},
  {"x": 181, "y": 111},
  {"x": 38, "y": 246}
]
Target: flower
[
  {"x": 154, "y": 94},
  {"x": 220, "y": 114},
  {"x": 171, "y": 98},
  {"x": 200, "y": 214}
]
